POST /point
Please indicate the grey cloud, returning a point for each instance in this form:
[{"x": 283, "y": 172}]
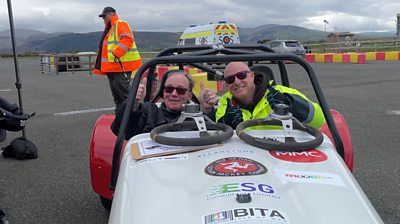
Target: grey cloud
[{"x": 176, "y": 15}]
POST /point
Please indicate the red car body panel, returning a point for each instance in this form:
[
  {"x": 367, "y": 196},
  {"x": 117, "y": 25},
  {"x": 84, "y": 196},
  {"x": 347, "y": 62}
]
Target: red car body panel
[
  {"x": 344, "y": 133},
  {"x": 101, "y": 154}
]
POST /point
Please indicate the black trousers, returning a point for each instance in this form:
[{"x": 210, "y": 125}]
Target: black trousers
[{"x": 119, "y": 85}]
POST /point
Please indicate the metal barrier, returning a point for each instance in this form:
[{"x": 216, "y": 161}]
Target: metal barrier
[
  {"x": 67, "y": 62},
  {"x": 356, "y": 45}
]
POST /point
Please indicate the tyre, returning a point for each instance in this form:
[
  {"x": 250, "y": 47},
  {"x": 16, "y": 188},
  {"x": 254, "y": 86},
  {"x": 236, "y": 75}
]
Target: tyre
[{"x": 106, "y": 203}]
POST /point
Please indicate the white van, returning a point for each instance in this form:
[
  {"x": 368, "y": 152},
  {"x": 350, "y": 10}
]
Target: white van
[{"x": 210, "y": 34}]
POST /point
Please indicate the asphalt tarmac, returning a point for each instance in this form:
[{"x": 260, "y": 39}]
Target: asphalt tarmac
[{"x": 56, "y": 187}]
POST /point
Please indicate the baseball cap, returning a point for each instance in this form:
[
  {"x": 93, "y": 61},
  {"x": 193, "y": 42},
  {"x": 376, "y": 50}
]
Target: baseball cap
[{"x": 107, "y": 10}]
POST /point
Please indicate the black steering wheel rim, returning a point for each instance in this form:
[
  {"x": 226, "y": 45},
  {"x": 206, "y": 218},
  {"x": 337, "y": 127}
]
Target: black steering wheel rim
[
  {"x": 224, "y": 133},
  {"x": 291, "y": 146}
]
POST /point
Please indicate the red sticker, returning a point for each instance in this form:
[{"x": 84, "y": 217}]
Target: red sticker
[
  {"x": 235, "y": 166},
  {"x": 308, "y": 156}
]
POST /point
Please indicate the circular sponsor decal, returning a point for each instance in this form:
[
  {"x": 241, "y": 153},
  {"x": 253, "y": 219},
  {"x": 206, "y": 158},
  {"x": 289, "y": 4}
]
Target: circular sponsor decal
[
  {"x": 226, "y": 40},
  {"x": 235, "y": 166},
  {"x": 308, "y": 156}
]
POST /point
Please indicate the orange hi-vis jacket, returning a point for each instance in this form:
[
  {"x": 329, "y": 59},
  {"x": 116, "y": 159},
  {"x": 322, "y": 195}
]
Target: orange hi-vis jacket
[{"x": 119, "y": 43}]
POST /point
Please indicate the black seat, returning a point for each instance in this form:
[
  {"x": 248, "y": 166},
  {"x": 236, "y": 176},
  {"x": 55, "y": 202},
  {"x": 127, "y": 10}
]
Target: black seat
[
  {"x": 264, "y": 70},
  {"x": 160, "y": 92}
]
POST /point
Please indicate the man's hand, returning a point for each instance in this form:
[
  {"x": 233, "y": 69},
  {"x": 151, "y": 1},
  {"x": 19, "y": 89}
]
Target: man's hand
[
  {"x": 207, "y": 98},
  {"x": 276, "y": 97},
  {"x": 141, "y": 92},
  {"x": 233, "y": 115}
]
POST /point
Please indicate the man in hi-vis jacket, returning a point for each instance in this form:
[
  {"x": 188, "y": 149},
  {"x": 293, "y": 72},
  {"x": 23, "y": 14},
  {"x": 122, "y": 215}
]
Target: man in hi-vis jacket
[
  {"x": 117, "y": 55},
  {"x": 251, "y": 95}
]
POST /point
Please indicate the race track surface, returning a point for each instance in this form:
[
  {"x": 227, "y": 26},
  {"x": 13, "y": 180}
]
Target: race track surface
[{"x": 56, "y": 188}]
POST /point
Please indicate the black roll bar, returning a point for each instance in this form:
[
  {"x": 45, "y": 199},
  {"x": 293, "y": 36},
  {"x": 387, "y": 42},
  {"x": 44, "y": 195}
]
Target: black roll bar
[{"x": 193, "y": 59}]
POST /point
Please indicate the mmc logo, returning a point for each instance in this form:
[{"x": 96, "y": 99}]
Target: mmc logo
[{"x": 308, "y": 156}]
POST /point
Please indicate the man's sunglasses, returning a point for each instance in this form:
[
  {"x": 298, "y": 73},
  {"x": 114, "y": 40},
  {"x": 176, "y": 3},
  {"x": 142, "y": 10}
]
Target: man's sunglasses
[
  {"x": 179, "y": 90},
  {"x": 240, "y": 75}
]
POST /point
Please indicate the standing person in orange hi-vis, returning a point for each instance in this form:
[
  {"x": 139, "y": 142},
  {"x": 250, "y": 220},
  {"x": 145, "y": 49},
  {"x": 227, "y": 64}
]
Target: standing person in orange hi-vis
[{"x": 117, "y": 55}]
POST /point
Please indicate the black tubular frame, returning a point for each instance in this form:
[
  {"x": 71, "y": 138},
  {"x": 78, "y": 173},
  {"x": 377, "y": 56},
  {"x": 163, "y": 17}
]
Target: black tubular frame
[{"x": 193, "y": 55}]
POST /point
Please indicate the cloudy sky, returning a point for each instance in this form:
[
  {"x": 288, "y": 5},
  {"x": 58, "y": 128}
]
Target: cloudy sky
[{"x": 80, "y": 16}]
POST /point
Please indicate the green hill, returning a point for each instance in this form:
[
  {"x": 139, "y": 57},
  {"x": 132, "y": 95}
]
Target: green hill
[
  {"x": 70, "y": 42},
  {"x": 20, "y": 35},
  {"x": 36, "y": 41},
  {"x": 74, "y": 42},
  {"x": 272, "y": 32}
]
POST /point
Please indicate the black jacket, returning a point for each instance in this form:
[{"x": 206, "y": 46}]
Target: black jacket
[{"x": 145, "y": 119}]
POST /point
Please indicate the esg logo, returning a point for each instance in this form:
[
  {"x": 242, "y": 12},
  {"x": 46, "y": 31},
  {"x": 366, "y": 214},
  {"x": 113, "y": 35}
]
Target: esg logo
[{"x": 233, "y": 188}]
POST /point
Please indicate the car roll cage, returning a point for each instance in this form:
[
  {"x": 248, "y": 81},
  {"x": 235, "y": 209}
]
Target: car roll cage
[{"x": 194, "y": 56}]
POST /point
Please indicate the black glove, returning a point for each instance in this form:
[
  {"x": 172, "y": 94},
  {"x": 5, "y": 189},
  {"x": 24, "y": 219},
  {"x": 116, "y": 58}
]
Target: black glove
[
  {"x": 233, "y": 115},
  {"x": 276, "y": 97}
]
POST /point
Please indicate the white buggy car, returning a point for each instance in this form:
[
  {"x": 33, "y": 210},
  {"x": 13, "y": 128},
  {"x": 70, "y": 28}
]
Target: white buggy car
[{"x": 205, "y": 173}]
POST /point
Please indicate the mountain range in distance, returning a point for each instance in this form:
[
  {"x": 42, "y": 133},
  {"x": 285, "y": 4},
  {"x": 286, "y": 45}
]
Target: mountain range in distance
[{"x": 38, "y": 41}]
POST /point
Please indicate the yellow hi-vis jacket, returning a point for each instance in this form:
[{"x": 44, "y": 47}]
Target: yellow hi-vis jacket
[
  {"x": 119, "y": 42},
  {"x": 315, "y": 117}
]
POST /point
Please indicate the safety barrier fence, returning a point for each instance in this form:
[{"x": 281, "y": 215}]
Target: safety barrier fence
[
  {"x": 358, "y": 58},
  {"x": 355, "y": 58},
  {"x": 67, "y": 62},
  {"x": 84, "y": 61},
  {"x": 383, "y": 56},
  {"x": 347, "y": 46}
]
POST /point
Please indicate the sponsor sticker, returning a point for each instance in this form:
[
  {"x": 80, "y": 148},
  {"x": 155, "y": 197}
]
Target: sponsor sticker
[
  {"x": 235, "y": 166},
  {"x": 239, "y": 215},
  {"x": 308, "y": 156},
  {"x": 232, "y": 189},
  {"x": 311, "y": 177},
  {"x": 224, "y": 151},
  {"x": 158, "y": 159}
]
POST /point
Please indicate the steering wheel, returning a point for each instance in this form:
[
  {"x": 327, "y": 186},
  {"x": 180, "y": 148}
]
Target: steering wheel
[
  {"x": 201, "y": 123},
  {"x": 280, "y": 117}
]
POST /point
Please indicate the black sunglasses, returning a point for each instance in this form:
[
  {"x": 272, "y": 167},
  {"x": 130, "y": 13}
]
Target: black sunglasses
[
  {"x": 240, "y": 75},
  {"x": 179, "y": 90}
]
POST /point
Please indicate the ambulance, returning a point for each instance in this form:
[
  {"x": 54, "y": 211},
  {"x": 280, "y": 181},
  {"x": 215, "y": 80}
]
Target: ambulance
[{"x": 210, "y": 34}]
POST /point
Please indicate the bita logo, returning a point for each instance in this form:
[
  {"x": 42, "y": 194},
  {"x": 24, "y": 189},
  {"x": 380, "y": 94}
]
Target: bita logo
[
  {"x": 309, "y": 156},
  {"x": 252, "y": 215},
  {"x": 235, "y": 166}
]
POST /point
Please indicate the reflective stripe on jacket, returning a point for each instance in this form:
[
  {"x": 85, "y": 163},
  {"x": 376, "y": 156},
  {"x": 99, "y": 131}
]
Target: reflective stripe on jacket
[
  {"x": 314, "y": 118},
  {"x": 119, "y": 41}
]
